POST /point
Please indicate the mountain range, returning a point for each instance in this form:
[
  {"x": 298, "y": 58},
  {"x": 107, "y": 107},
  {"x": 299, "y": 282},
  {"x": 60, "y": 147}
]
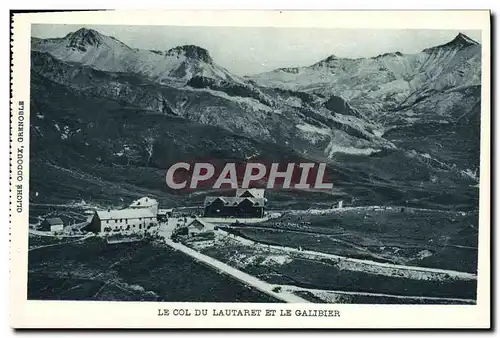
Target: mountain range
[{"x": 108, "y": 119}]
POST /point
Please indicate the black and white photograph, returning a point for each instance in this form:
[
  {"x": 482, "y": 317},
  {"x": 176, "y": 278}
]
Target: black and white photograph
[{"x": 213, "y": 164}]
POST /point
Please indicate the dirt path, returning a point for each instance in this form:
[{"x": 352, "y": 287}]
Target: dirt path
[
  {"x": 238, "y": 274},
  {"x": 355, "y": 264},
  {"x": 369, "y": 294},
  {"x": 57, "y": 244}
]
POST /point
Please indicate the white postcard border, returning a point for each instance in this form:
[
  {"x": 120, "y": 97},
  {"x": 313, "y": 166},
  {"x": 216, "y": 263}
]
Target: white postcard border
[{"x": 98, "y": 314}]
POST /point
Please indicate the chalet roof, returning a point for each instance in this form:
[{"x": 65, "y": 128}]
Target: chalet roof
[
  {"x": 257, "y": 193},
  {"x": 197, "y": 220},
  {"x": 234, "y": 201},
  {"x": 54, "y": 221},
  {"x": 125, "y": 213},
  {"x": 258, "y": 202}
]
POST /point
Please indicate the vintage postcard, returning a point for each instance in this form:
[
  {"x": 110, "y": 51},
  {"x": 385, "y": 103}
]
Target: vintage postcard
[{"x": 250, "y": 169}]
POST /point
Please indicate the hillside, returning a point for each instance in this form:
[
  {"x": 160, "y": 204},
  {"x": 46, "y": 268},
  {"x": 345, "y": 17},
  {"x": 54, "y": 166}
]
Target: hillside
[{"x": 108, "y": 119}]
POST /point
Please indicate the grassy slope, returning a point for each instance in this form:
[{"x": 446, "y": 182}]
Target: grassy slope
[
  {"x": 93, "y": 270},
  {"x": 436, "y": 239}
]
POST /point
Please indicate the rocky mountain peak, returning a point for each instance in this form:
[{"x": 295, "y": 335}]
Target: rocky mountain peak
[
  {"x": 83, "y": 38},
  {"x": 459, "y": 42},
  {"x": 326, "y": 62},
  {"x": 331, "y": 58},
  {"x": 395, "y": 54},
  {"x": 192, "y": 52},
  {"x": 463, "y": 39}
]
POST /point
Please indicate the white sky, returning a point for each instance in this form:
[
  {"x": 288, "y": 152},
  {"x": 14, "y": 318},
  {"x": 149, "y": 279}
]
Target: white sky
[{"x": 244, "y": 50}]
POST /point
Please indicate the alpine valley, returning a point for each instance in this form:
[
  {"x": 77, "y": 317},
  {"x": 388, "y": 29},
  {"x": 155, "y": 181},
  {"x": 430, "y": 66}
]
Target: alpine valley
[{"x": 108, "y": 119}]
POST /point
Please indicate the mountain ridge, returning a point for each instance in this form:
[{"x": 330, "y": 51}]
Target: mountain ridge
[
  {"x": 389, "y": 82},
  {"x": 459, "y": 42},
  {"x": 103, "y": 52}
]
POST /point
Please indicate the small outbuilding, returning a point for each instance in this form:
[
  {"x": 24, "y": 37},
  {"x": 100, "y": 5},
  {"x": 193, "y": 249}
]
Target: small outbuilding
[
  {"x": 197, "y": 226},
  {"x": 52, "y": 224}
]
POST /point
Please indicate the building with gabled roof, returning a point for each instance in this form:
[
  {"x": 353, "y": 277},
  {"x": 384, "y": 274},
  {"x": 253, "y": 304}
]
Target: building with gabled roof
[
  {"x": 197, "y": 226},
  {"x": 237, "y": 207},
  {"x": 54, "y": 224},
  {"x": 122, "y": 220}
]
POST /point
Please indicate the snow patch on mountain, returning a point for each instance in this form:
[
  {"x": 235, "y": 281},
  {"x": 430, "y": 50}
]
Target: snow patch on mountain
[
  {"x": 434, "y": 162},
  {"x": 314, "y": 134},
  {"x": 334, "y": 148},
  {"x": 338, "y": 141},
  {"x": 312, "y": 129},
  {"x": 244, "y": 102}
]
